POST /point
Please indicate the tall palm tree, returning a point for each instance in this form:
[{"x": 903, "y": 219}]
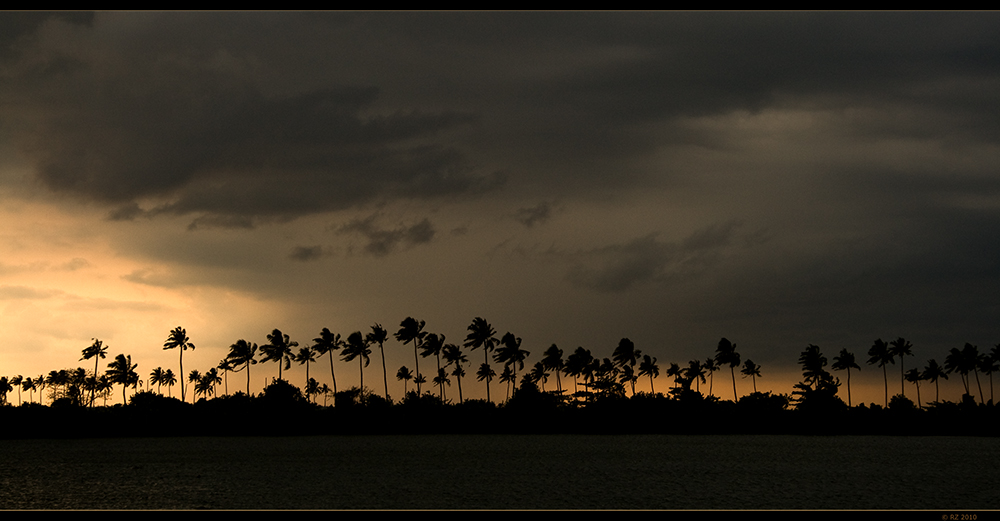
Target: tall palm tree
[
  {"x": 278, "y": 349},
  {"x": 178, "y": 339},
  {"x": 412, "y": 330},
  {"x": 725, "y": 354},
  {"x": 932, "y": 373},
  {"x": 441, "y": 380},
  {"x": 241, "y": 356},
  {"x": 507, "y": 377},
  {"x": 405, "y": 375},
  {"x": 846, "y": 361},
  {"x": 481, "y": 334},
  {"x": 576, "y": 364},
  {"x": 28, "y": 384},
  {"x": 649, "y": 368},
  {"x": 539, "y": 373},
  {"x": 327, "y": 343},
  {"x": 97, "y": 351},
  {"x": 15, "y": 382},
  {"x": 901, "y": 347},
  {"x": 378, "y": 336},
  {"x": 880, "y": 354},
  {"x": 122, "y": 371},
  {"x": 970, "y": 360},
  {"x": 357, "y": 347},
  {"x": 212, "y": 377},
  {"x": 989, "y": 363},
  {"x": 454, "y": 355},
  {"x": 752, "y": 370},
  {"x": 552, "y": 359}
]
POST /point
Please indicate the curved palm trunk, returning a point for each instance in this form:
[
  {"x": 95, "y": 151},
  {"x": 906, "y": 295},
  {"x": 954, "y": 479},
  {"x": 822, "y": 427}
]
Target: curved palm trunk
[
  {"x": 651, "y": 384},
  {"x": 886, "y": 377},
  {"x": 849, "y": 387},
  {"x": 332, "y": 375},
  {"x": 181, "y": 377},
  {"x": 385, "y": 379},
  {"x": 487, "y": 353},
  {"x": 732, "y": 371},
  {"x": 416, "y": 361}
]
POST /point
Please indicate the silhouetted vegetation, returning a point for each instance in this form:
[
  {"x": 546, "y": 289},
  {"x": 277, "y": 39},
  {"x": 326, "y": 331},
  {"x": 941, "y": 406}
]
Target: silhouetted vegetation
[{"x": 603, "y": 398}]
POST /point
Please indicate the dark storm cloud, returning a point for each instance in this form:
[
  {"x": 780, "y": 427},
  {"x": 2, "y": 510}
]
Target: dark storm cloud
[
  {"x": 620, "y": 267},
  {"x": 120, "y": 117},
  {"x": 381, "y": 241}
]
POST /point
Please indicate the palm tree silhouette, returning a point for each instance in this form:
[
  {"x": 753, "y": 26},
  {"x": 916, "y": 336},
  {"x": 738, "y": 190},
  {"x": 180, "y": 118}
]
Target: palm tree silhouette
[
  {"x": 880, "y": 354},
  {"x": 481, "y": 334},
  {"x": 178, "y": 339},
  {"x": 306, "y": 355},
  {"x": 327, "y": 343},
  {"x": 15, "y": 382},
  {"x": 156, "y": 377},
  {"x": 932, "y": 373},
  {"x": 971, "y": 360},
  {"x": 576, "y": 365},
  {"x": 846, "y": 361},
  {"x": 122, "y": 371},
  {"x": 626, "y": 355},
  {"x": 913, "y": 376},
  {"x": 695, "y": 373},
  {"x": 241, "y": 356},
  {"x": 432, "y": 345},
  {"x": 487, "y": 374},
  {"x": 194, "y": 377},
  {"x": 278, "y": 349},
  {"x": 412, "y": 330},
  {"x": 752, "y": 370},
  {"x": 955, "y": 363},
  {"x": 901, "y": 347},
  {"x": 357, "y": 347},
  {"x": 379, "y": 336},
  {"x": 405, "y": 375},
  {"x": 649, "y": 368},
  {"x": 5, "y": 388},
  {"x": 169, "y": 380},
  {"x": 710, "y": 367},
  {"x": 510, "y": 354},
  {"x": 508, "y": 377},
  {"x": 725, "y": 354},
  {"x": 441, "y": 380},
  {"x": 989, "y": 363},
  {"x": 454, "y": 355},
  {"x": 552, "y": 360},
  {"x": 97, "y": 351}
]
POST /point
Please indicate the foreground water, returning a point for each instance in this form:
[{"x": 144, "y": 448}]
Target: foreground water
[{"x": 500, "y": 472}]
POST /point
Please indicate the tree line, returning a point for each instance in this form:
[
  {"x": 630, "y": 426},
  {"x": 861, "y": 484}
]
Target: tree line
[{"x": 593, "y": 378}]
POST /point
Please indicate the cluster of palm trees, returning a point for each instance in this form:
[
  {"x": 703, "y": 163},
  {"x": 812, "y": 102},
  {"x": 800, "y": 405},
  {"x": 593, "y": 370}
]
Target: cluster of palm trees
[{"x": 592, "y": 376}]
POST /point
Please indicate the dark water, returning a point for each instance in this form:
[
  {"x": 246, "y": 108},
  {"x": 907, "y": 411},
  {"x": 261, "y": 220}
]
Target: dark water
[{"x": 497, "y": 472}]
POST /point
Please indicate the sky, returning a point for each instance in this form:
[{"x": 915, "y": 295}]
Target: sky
[{"x": 778, "y": 179}]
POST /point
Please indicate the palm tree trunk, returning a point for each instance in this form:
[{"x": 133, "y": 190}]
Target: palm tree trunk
[
  {"x": 332, "y": 375},
  {"x": 385, "y": 379},
  {"x": 733, "y": 372}
]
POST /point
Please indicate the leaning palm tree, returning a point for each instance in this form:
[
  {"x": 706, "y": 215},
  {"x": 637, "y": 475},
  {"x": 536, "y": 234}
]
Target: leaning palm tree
[
  {"x": 507, "y": 377},
  {"x": 752, "y": 370},
  {"x": 195, "y": 378},
  {"x": 725, "y": 354},
  {"x": 357, "y": 347},
  {"x": 278, "y": 349},
  {"x": 627, "y": 355},
  {"x": 932, "y": 373},
  {"x": 510, "y": 354},
  {"x": 178, "y": 339},
  {"x": 481, "y": 334},
  {"x": 880, "y": 354},
  {"x": 989, "y": 364},
  {"x": 846, "y": 361},
  {"x": 412, "y": 330},
  {"x": 901, "y": 347},
  {"x": 695, "y": 373},
  {"x": 97, "y": 351},
  {"x": 327, "y": 343},
  {"x": 378, "y": 336},
  {"x": 710, "y": 366},
  {"x": 576, "y": 365}
]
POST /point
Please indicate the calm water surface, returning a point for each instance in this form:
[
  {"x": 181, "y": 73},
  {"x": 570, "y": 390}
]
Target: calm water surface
[{"x": 496, "y": 472}]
